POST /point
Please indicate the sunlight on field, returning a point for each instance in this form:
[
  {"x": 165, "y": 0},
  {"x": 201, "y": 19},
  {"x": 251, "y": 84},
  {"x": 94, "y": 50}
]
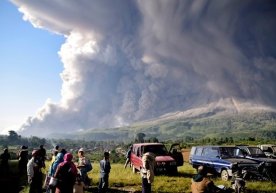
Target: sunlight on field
[{"x": 124, "y": 180}]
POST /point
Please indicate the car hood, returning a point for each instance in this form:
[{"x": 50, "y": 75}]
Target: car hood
[
  {"x": 241, "y": 160},
  {"x": 265, "y": 159},
  {"x": 163, "y": 158}
]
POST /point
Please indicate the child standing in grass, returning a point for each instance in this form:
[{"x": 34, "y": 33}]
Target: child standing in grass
[{"x": 104, "y": 173}]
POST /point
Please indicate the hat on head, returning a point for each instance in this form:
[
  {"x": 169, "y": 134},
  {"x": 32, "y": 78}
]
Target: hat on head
[{"x": 81, "y": 150}]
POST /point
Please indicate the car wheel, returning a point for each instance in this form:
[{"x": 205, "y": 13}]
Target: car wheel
[{"x": 224, "y": 175}]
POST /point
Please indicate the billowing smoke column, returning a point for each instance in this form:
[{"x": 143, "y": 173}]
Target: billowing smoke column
[{"x": 126, "y": 61}]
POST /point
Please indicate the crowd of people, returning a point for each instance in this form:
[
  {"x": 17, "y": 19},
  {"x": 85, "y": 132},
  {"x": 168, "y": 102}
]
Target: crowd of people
[{"x": 65, "y": 176}]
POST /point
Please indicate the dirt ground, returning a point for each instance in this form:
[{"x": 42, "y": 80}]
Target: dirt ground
[{"x": 186, "y": 154}]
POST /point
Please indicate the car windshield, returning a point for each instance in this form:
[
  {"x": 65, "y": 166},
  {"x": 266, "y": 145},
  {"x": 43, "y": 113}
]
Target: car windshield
[
  {"x": 228, "y": 152},
  {"x": 256, "y": 152},
  {"x": 156, "y": 149}
]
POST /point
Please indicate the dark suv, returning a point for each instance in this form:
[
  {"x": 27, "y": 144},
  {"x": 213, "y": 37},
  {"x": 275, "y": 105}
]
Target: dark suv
[
  {"x": 255, "y": 153},
  {"x": 219, "y": 159}
]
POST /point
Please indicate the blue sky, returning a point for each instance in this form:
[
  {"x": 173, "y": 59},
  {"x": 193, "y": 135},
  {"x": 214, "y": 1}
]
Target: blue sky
[{"x": 29, "y": 67}]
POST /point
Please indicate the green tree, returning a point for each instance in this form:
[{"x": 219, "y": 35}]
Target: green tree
[
  {"x": 140, "y": 137},
  {"x": 13, "y": 137}
]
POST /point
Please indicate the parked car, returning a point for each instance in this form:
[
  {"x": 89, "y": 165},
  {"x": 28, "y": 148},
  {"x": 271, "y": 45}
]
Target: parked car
[
  {"x": 166, "y": 162},
  {"x": 269, "y": 150},
  {"x": 255, "y": 153},
  {"x": 219, "y": 160}
]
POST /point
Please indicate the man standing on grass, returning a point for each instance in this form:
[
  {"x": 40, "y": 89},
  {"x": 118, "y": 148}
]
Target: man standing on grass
[
  {"x": 34, "y": 172},
  {"x": 104, "y": 173},
  {"x": 4, "y": 163},
  {"x": 84, "y": 165},
  {"x": 128, "y": 156},
  {"x": 147, "y": 171}
]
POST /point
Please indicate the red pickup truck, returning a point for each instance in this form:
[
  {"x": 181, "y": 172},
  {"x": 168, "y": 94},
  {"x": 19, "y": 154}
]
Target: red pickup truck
[{"x": 166, "y": 162}]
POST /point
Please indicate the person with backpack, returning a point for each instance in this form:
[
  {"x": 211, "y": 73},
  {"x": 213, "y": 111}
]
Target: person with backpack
[
  {"x": 66, "y": 174},
  {"x": 84, "y": 166}
]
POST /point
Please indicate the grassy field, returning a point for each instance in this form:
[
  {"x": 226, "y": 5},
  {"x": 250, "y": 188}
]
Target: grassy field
[{"x": 123, "y": 180}]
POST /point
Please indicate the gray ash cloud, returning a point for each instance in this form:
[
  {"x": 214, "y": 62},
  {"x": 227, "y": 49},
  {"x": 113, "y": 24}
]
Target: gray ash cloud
[{"x": 127, "y": 61}]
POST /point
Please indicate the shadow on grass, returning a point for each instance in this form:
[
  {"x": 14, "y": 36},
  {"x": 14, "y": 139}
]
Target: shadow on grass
[
  {"x": 114, "y": 190},
  {"x": 10, "y": 183}
]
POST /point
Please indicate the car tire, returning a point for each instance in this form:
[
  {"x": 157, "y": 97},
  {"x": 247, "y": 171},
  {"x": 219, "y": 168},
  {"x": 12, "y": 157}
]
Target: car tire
[{"x": 224, "y": 175}]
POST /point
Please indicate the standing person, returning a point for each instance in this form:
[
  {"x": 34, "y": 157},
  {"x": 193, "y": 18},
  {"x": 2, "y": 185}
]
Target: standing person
[
  {"x": 66, "y": 174},
  {"x": 202, "y": 184},
  {"x": 52, "y": 170},
  {"x": 104, "y": 173},
  {"x": 4, "y": 165},
  {"x": 147, "y": 171},
  {"x": 42, "y": 154},
  {"x": 23, "y": 159},
  {"x": 128, "y": 156},
  {"x": 34, "y": 173},
  {"x": 84, "y": 166},
  {"x": 54, "y": 153}
]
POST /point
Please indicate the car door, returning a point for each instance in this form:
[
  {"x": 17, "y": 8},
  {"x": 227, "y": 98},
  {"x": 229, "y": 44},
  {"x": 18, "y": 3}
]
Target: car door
[
  {"x": 210, "y": 158},
  {"x": 196, "y": 158}
]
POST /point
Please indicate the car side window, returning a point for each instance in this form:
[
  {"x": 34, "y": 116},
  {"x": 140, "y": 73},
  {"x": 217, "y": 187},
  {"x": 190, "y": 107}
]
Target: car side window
[
  {"x": 198, "y": 151},
  {"x": 210, "y": 152},
  {"x": 138, "y": 151},
  {"x": 213, "y": 152},
  {"x": 269, "y": 150}
]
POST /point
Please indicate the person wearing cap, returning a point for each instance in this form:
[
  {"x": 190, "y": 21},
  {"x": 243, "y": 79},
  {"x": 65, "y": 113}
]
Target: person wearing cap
[
  {"x": 34, "y": 173},
  {"x": 104, "y": 173},
  {"x": 202, "y": 184},
  {"x": 84, "y": 166},
  {"x": 147, "y": 171}
]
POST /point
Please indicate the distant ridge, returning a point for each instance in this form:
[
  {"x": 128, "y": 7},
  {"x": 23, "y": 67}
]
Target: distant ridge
[
  {"x": 227, "y": 117},
  {"x": 227, "y": 106}
]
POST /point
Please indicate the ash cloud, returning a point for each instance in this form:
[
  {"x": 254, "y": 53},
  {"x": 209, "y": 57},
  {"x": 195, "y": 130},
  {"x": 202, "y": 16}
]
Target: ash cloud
[{"x": 126, "y": 61}]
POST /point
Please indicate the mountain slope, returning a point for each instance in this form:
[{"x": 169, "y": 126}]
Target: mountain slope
[{"x": 225, "y": 118}]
